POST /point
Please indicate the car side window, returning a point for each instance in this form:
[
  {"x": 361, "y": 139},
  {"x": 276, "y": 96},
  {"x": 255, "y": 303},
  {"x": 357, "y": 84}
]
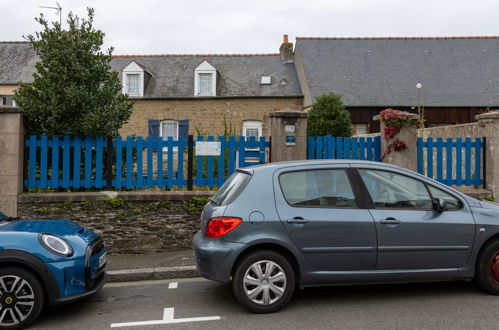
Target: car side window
[
  {"x": 318, "y": 188},
  {"x": 392, "y": 190},
  {"x": 452, "y": 202}
]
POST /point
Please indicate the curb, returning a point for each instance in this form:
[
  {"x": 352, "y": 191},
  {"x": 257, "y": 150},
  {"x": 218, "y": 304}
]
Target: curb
[{"x": 145, "y": 274}]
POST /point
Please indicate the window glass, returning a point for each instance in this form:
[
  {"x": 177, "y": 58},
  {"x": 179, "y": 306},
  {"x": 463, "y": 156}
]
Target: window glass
[
  {"x": 322, "y": 188},
  {"x": 133, "y": 84},
  {"x": 205, "y": 80},
  {"x": 231, "y": 188},
  {"x": 360, "y": 129},
  {"x": 169, "y": 128},
  {"x": 392, "y": 190},
  {"x": 452, "y": 202}
]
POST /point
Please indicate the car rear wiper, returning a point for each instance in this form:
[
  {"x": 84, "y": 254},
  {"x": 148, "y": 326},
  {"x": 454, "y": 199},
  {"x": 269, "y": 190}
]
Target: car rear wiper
[{"x": 214, "y": 201}]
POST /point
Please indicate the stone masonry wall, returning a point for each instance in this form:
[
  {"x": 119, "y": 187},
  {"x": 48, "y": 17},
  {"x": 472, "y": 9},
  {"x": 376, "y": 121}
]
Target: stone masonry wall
[
  {"x": 128, "y": 226},
  {"x": 206, "y": 115}
]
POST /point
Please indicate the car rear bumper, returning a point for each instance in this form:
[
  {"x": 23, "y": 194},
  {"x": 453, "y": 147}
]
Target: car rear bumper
[{"x": 215, "y": 257}]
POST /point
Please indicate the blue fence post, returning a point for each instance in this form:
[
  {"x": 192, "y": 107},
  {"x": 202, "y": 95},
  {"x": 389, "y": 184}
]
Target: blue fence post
[
  {"x": 448, "y": 175},
  {"x": 180, "y": 161},
  {"x": 339, "y": 148},
  {"x": 150, "y": 169},
  {"x": 221, "y": 162},
  {"x": 77, "y": 162},
  {"x": 139, "y": 145},
  {"x": 478, "y": 156},
  {"x": 43, "y": 161},
  {"x": 241, "y": 146},
  {"x": 459, "y": 161},
  {"x": 87, "y": 180},
  {"x": 318, "y": 148},
  {"x": 159, "y": 144},
  {"x": 232, "y": 155},
  {"x": 99, "y": 160},
  {"x": 118, "y": 144},
  {"x": 467, "y": 160},
  {"x": 169, "y": 163},
  {"x": 66, "y": 166},
  {"x": 377, "y": 148},
  {"x": 419, "y": 144},
  {"x": 362, "y": 144},
  {"x": 310, "y": 147},
  {"x": 129, "y": 165},
  {"x": 439, "y": 159},
  {"x": 54, "y": 143}
]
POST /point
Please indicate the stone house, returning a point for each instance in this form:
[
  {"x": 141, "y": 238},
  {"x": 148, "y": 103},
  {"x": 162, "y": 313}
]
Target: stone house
[
  {"x": 458, "y": 76},
  {"x": 17, "y": 60},
  {"x": 177, "y": 95}
]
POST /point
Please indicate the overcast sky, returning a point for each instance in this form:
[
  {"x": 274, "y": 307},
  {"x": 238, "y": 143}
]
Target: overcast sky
[{"x": 256, "y": 26}]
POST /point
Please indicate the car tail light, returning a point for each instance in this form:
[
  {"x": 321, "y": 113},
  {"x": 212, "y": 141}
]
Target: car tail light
[{"x": 221, "y": 225}]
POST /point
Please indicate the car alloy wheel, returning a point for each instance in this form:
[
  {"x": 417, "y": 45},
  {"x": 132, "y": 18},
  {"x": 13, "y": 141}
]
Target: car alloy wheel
[
  {"x": 494, "y": 267},
  {"x": 21, "y": 298},
  {"x": 17, "y": 300},
  {"x": 264, "y": 282}
]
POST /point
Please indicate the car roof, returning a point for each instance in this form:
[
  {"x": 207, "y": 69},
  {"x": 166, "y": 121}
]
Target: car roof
[{"x": 322, "y": 162}]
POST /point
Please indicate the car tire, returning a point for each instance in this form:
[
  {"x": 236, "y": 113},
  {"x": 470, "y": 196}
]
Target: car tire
[
  {"x": 263, "y": 281},
  {"x": 487, "y": 268},
  {"x": 21, "y": 298}
]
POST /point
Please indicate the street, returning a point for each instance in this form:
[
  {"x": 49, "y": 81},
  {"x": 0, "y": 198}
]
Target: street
[{"x": 202, "y": 304}]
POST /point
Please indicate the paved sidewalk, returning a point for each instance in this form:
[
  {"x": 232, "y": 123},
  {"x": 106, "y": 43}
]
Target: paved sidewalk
[{"x": 153, "y": 266}]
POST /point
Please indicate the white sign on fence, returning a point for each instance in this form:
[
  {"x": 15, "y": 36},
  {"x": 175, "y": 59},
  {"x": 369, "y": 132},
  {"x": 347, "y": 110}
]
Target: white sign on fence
[{"x": 208, "y": 148}]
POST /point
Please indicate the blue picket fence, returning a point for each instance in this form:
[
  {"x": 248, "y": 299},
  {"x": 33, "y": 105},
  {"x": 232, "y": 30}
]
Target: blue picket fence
[
  {"x": 329, "y": 147},
  {"x": 96, "y": 162},
  {"x": 452, "y": 161}
]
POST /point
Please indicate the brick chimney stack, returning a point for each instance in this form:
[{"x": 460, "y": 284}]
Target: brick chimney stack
[{"x": 286, "y": 50}]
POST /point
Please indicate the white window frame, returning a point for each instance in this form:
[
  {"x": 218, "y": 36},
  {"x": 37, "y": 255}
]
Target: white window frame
[
  {"x": 205, "y": 68},
  {"x": 165, "y": 138},
  {"x": 252, "y": 124},
  {"x": 133, "y": 69}
]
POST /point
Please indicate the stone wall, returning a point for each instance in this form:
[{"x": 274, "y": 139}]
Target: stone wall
[
  {"x": 127, "y": 226},
  {"x": 465, "y": 130},
  {"x": 206, "y": 115}
]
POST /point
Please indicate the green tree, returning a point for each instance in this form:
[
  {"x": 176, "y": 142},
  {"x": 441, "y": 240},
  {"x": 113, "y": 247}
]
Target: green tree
[
  {"x": 74, "y": 91},
  {"x": 329, "y": 117}
]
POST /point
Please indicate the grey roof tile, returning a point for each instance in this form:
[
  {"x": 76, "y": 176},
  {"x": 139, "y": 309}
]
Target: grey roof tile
[
  {"x": 17, "y": 60},
  {"x": 460, "y": 71},
  {"x": 239, "y": 75}
]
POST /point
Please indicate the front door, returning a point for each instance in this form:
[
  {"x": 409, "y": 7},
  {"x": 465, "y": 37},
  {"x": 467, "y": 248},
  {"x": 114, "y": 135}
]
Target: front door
[
  {"x": 324, "y": 218},
  {"x": 411, "y": 234}
]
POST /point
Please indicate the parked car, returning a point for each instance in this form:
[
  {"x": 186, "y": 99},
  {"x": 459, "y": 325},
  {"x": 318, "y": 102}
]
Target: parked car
[
  {"x": 273, "y": 227},
  {"x": 45, "y": 262}
]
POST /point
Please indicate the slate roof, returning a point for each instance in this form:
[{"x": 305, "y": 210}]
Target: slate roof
[
  {"x": 454, "y": 71},
  {"x": 239, "y": 74},
  {"x": 17, "y": 60}
]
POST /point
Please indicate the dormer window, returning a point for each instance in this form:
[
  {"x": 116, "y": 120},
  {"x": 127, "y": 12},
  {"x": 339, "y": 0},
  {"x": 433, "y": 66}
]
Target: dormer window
[
  {"x": 133, "y": 80},
  {"x": 205, "y": 80}
]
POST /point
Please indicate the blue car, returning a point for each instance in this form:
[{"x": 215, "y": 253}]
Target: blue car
[{"x": 46, "y": 262}]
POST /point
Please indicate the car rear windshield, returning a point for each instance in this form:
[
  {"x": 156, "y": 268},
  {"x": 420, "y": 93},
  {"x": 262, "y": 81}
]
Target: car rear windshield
[{"x": 231, "y": 188}]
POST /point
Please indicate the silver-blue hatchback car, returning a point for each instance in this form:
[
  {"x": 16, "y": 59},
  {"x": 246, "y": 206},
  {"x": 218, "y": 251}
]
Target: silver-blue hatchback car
[{"x": 271, "y": 228}]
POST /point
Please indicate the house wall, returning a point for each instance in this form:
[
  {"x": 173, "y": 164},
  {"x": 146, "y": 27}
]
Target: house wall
[
  {"x": 206, "y": 115},
  {"x": 432, "y": 115},
  {"x": 8, "y": 89}
]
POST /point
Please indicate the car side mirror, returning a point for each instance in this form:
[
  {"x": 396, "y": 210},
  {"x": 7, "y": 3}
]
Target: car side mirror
[{"x": 439, "y": 205}]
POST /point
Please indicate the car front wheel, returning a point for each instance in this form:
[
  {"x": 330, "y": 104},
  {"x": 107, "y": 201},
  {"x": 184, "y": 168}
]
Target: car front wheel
[
  {"x": 264, "y": 281},
  {"x": 487, "y": 270},
  {"x": 21, "y": 298}
]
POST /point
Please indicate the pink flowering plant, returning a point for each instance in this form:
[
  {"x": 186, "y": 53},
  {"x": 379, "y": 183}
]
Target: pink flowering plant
[{"x": 394, "y": 120}]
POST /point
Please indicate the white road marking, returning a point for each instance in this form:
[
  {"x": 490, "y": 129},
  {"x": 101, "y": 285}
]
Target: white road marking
[
  {"x": 173, "y": 285},
  {"x": 167, "y": 319}
]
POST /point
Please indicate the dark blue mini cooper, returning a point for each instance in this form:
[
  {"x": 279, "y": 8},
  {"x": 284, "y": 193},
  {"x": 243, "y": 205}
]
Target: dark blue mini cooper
[{"x": 45, "y": 261}]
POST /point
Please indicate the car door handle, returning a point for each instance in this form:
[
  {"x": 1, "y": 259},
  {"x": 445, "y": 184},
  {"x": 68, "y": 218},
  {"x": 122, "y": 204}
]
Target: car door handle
[
  {"x": 298, "y": 220},
  {"x": 390, "y": 221}
]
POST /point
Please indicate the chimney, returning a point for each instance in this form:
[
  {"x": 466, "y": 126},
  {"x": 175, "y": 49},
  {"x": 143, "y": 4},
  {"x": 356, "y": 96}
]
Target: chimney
[{"x": 286, "y": 50}]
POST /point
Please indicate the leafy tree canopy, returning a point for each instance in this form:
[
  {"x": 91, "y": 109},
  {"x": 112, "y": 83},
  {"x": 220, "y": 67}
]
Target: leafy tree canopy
[
  {"x": 329, "y": 117},
  {"x": 74, "y": 91}
]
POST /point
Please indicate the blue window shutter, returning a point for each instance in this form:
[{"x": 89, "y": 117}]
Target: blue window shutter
[
  {"x": 154, "y": 130},
  {"x": 183, "y": 129}
]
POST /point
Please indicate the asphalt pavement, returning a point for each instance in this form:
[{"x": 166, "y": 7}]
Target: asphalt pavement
[{"x": 201, "y": 304}]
